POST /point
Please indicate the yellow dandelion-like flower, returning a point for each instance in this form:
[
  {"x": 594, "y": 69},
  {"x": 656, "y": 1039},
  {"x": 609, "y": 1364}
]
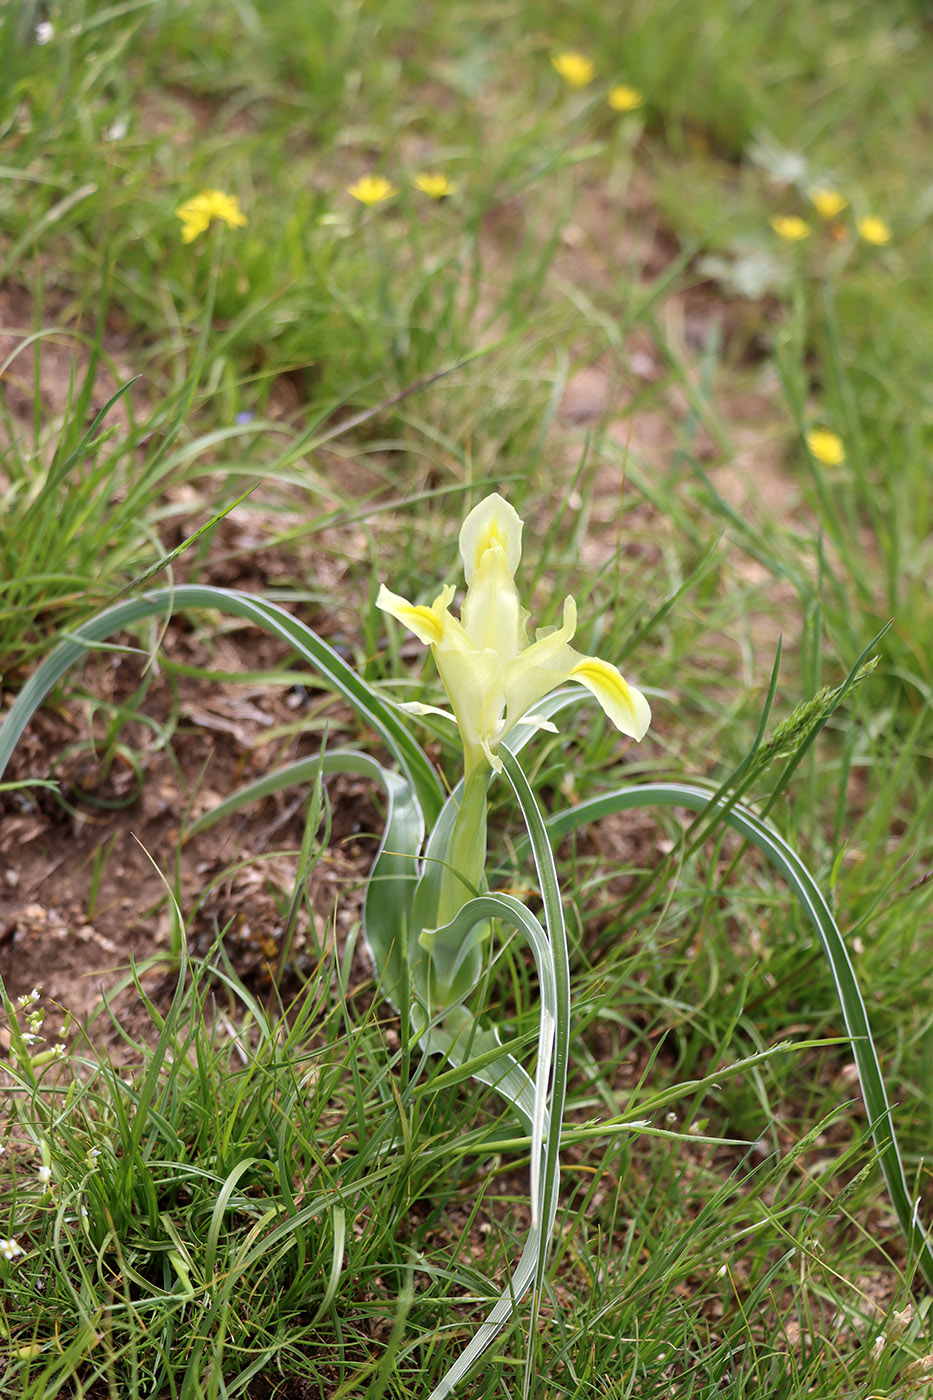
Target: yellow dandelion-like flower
[
  {"x": 873, "y": 230},
  {"x": 827, "y": 202},
  {"x": 575, "y": 68},
  {"x": 623, "y": 98},
  {"x": 790, "y": 227},
  {"x": 826, "y": 446},
  {"x": 435, "y": 186},
  {"x": 372, "y": 189},
  {"x": 197, "y": 213}
]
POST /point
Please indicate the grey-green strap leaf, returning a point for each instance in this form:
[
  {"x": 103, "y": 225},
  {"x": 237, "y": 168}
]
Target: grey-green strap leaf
[
  {"x": 458, "y": 1039},
  {"x": 748, "y": 824}
]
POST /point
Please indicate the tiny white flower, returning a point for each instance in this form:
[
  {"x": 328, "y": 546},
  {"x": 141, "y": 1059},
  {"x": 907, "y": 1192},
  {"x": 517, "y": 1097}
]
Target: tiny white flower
[
  {"x": 29, "y": 997},
  {"x": 30, "y": 1039},
  {"x": 722, "y": 1270},
  {"x": 45, "y": 1176},
  {"x": 117, "y": 130},
  {"x": 9, "y": 1249},
  {"x": 45, "y": 32},
  {"x": 59, "y": 1050},
  {"x": 877, "y": 1347}
]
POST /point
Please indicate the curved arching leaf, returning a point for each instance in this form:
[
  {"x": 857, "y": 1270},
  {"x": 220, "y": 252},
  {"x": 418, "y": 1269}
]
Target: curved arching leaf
[
  {"x": 458, "y": 1038},
  {"x": 161, "y": 602},
  {"x": 782, "y": 855}
]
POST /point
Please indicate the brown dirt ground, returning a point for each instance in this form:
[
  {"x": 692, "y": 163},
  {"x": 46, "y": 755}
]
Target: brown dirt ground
[{"x": 73, "y": 922}]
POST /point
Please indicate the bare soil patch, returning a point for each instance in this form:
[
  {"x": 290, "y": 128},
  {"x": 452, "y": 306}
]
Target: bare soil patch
[{"x": 85, "y": 889}]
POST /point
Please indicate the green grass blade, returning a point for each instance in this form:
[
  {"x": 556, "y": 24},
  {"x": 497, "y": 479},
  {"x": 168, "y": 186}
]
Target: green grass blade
[{"x": 807, "y": 891}]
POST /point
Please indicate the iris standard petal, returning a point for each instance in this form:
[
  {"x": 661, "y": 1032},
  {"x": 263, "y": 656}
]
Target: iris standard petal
[
  {"x": 491, "y": 613},
  {"x": 540, "y": 667},
  {"x": 493, "y": 521},
  {"x": 415, "y": 707}
]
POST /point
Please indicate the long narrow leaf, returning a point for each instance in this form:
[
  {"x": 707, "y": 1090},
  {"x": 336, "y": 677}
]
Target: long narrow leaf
[
  {"x": 163, "y": 601},
  {"x": 460, "y": 1039},
  {"x": 510, "y": 910},
  {"x": 772, "y": 845},
  {"x": 560, "y": 957}
]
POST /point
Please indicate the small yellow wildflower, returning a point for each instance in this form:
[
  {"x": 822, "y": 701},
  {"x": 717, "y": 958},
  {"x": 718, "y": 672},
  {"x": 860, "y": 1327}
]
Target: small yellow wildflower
[
  {"x": 372, "y": 189},
  {"x": 435, "y": 186},
  {"x": 791, "y": 227},
  {"x": 827, "y": 202},
  {"x": 826, "y": 446},
  {"x": 575, "y": 68},
  {"x": 624, "y": 98},
  {"x": 197, "y": 213},
  {"x": 873, "y": 230}
]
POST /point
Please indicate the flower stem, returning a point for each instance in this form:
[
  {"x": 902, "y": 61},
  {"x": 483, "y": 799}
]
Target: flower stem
[{"x": 463, "y": 877}]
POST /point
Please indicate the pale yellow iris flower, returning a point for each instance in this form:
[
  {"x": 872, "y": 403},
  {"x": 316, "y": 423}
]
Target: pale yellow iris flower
[{"x": 493, "y": 674}]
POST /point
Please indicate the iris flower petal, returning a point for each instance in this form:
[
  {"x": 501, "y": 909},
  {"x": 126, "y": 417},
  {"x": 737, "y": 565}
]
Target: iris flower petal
[
  {"x": 626, "y": 707},
  {"x": 540, "y": 667},
  {"x": 493, "y": 675},
  {"x": 493, "y": 521},
  {"x": 491, "y": 613},
  {"x": 427, "y": 626}
]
